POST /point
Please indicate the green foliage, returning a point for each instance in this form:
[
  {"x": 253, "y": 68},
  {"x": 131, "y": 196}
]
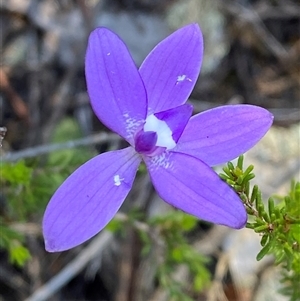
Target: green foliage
[
  {"x": 173, "y": 229},
  {"x": 277, "y": 221},
  {"x": 15, "y": 179},
  {"x": 168, "y": 233},
  {"x": 28, "y": 186},
  {"x": 176, "y": 222},
  {"x": 173, "y": 287},
  {"x": 67, "y": 159},
  {"x": 12, "y": 242},
  {"x": 16, "y": 174},
  {"x": 115, "y": 226}
]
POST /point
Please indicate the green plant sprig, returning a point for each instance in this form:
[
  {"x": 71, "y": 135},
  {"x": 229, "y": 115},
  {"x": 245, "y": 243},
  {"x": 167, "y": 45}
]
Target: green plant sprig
[{"x": 277, "y": 221}]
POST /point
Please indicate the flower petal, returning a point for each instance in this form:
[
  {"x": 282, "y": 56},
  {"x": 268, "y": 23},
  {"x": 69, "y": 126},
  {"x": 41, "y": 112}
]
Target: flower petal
[
  {"x": 176, "y": 119},
  {"x": 115, "y": 87},
  {"x": 190, "y": 185},
  {"x": 221, "y": 134},
  {"x": 170, "y": 71},
  {"x": 88, "y": 199}
]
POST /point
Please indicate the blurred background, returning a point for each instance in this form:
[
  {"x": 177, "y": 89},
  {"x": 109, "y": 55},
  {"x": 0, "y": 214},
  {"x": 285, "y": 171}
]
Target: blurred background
[{"x": 252, "y": 56}]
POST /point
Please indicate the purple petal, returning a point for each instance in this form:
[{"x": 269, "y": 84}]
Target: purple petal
[
  {"x": 170, "y": 71},
  {"x": 115, "y": 87},
  {"x": 88, "y": 199},
  {"x": 219, "y": 135},
  {"x": 176, "y": 119},
  {"x": 190, "y": 185}
]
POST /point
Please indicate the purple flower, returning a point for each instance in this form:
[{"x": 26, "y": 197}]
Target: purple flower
[{"x": 147, "y": 108}]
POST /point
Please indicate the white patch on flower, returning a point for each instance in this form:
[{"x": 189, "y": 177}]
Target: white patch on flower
[
  {"x": 181, "y": 78},
  {"x": 117, "y": 180},
  {"x": 162, "y": 160},
  {"x": 131, "y": 125},
  {"x": 164, "y": 133},
  {"x": 108, "y": 53}
]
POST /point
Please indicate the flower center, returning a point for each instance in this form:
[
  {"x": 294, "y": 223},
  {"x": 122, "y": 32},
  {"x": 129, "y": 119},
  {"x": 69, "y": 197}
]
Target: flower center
[
  {"x": 160, "y": 127},
  {"x": 145, "y": 142},
  {"x": 154, "y": 137}
]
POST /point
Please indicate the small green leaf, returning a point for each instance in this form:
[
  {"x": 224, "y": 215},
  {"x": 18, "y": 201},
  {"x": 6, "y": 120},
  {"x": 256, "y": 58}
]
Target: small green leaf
[
  {"x": 18, "y": 254},
  {"x": 240, "y": 179},
  {"x": 264, "y": 251},
  {"x": 230, "y": 166},
  {"x": 248, "y": 178},
  {"x": 227, "y": 171},
  {"x": 264, "y": 240},
  {"x": 248, "y": 170},
  {"x": 189, "y": 222},
  {"x": 199, "y": 282},
  {"x": 223, "y": 176},
  {"x": 177, "y": 254},
  {"x": 240, "y": 162},
  {"x": 295, "y": 230},
  {"x": 114, "y": 226},
  {"x": 254, "y": 194},
  {"x": 261, "y": 228},
  {"x": 266, "y": 217},
  {"x": 271, "y": 206}
]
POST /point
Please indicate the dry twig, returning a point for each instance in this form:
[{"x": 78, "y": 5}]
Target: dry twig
[
  {"x": 49, "y": 148},
  {"x": 250, "y": 16},
  {"x": 93, "y": 250}
]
